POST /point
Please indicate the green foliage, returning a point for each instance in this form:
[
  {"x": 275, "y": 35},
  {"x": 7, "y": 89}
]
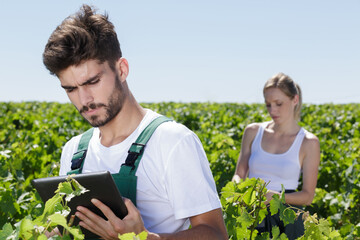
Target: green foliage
[
  {"x": 54, "y": 214},
  {"x": 133, "y": 236},
  {"x": 286, "y": 214},
  {"x": 244, "y": 208},
  {"x": 33, "y": 133}
]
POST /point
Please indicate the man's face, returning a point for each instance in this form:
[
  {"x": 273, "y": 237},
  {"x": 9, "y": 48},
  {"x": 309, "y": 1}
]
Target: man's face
[{"x": 95, "y": 90}]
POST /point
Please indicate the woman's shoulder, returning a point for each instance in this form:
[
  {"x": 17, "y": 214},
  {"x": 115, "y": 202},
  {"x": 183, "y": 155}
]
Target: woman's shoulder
[
  {"x": 310, "y": 149},
  {"x": 310, "y": 140},
  {"x": 253, "y": 126},
  {"x": 256, "y": 125},
  {"x": 310, "y": 136},
  {"x": 252, "y": 129}
]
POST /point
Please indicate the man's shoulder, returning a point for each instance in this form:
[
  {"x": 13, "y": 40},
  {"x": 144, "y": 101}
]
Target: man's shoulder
[
  {"x": 73, "y": 142},
  {"x": 170, "y": 134},
  {"x": 173, "y": 128},
  {"x": 168, "y": 127}
]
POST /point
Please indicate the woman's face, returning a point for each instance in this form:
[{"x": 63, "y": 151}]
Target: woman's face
[{"x": 280, "y": 106}]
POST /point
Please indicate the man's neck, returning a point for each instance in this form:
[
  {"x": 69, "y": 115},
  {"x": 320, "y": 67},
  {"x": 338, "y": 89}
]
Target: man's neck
[{"x": 125, "y": 123}]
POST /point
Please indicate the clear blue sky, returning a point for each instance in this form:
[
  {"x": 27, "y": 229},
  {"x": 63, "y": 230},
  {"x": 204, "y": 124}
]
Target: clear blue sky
[{"x": 188, "y": 50}]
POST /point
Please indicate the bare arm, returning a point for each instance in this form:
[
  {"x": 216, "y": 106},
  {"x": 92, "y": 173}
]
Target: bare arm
[
  {"x": 310, "y": 164},
  {"x": 242, "y": 166},
  {"x": 209, "y": 225}
]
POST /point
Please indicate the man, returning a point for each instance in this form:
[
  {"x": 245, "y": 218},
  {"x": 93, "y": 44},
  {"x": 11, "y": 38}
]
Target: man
[{"x": 175, "y": 187}]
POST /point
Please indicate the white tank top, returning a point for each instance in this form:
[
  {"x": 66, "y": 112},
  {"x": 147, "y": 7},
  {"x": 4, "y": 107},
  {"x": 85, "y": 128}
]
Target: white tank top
[{"x": 276, "y": 169}]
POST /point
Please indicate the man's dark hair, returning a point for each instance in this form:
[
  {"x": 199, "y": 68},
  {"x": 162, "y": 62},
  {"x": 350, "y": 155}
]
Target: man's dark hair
[{"x": 82, "y": 36}]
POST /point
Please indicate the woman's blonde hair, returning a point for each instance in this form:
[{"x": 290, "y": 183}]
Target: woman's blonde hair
[{"x": 288, "y": 87}]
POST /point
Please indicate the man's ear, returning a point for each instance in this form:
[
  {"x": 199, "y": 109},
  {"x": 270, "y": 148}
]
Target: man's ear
[{"x": 122, "y": 67}]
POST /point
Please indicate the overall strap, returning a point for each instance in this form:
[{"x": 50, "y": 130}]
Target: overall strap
[
  {"x": 137, "y": 148},
  {"x": 77, "y": 161}
]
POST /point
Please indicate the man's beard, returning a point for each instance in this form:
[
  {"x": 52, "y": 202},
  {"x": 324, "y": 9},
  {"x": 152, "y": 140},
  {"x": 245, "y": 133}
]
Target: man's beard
[{"x": 115, "y": 104}]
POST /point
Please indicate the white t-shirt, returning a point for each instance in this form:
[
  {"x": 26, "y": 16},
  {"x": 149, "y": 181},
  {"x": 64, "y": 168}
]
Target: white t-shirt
[{"x": 174, "y": 177}]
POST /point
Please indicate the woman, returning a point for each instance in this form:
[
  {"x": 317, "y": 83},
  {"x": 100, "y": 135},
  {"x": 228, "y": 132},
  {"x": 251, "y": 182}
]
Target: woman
[{"x": 279, "y": 150}]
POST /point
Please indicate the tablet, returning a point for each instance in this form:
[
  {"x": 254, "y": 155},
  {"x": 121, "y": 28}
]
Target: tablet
[{"x": 101, "y": 186}]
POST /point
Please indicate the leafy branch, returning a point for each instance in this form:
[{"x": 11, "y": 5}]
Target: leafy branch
[
  {"x": 55, "y": 214},
  {"x": 244, "y": 209}
]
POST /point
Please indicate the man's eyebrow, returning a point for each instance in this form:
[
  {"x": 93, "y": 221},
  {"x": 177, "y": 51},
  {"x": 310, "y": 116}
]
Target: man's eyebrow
[
  {"x": 67, "y": 87},
  {"x": 84, "y": 83}
]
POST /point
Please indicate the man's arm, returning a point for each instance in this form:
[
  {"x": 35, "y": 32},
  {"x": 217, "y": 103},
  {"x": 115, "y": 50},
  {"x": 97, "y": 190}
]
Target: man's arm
[{"x": 209, "y": 225}]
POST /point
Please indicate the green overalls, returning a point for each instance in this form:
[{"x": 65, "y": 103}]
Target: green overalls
[{"x": 125, "y": 180}]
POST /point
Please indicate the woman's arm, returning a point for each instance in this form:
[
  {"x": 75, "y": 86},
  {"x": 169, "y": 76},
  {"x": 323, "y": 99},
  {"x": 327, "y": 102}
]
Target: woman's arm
[
  {"x": 311, "y": 160},
  {"x": 242, "y": 166}
]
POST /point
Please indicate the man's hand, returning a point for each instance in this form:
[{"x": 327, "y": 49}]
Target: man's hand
[
  {"x": 208, "y": 225},
  {"x": 109, "y": 229}
]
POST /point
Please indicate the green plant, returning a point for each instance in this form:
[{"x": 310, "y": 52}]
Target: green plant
[
  {"x": 55, "y": 214},
  {"x": 244, "y": 208},
  {"x": 33, "y": 133},
  {"x": 133, "y": 236}
]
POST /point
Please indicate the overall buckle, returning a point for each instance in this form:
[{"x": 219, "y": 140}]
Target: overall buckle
[
  {"x": 135, "y": 151},
  {"x": 77, "y": 161}
]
